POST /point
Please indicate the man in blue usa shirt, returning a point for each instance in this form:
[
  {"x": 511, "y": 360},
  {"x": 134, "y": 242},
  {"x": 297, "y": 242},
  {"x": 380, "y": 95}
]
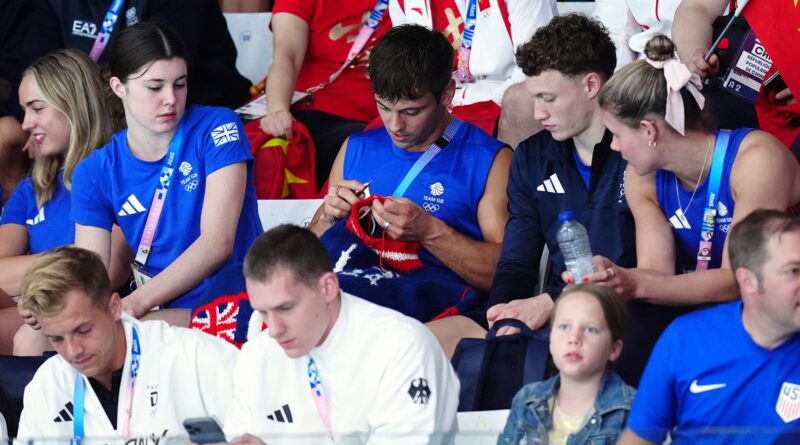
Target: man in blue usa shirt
[{"x": 730, "y": 374}]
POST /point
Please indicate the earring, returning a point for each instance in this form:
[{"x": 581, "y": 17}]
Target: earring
[{"x": 651, "y": 144}]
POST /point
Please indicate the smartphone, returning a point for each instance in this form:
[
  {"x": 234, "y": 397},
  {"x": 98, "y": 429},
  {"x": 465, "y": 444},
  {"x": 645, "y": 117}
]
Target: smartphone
[
  {"x": 775, "y": 82},
  {"x": 204, "y": 430}
]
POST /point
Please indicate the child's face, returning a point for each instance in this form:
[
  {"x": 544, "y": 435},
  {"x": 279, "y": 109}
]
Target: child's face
[{"x": 580, "y": 341}]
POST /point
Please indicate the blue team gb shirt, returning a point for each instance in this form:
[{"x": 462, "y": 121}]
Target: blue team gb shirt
[
  {"x": 49, "y": 226},
  {"x": 113, "y": 186},
  {"x": 687, "y": 231},
  {"x": 449, "y": 187}
]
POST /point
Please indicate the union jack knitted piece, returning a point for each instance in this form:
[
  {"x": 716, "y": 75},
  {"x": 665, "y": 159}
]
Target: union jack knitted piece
[
  {"x": 407, "y": 284},
  {"x": 228, "y": 312}
]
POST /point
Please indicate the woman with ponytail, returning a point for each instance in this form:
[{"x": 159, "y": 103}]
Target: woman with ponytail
[{"x": 686, "y": 184}]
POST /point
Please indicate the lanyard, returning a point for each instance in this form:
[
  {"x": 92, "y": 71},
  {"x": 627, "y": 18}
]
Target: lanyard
[
  {"x": 146, "y": 243},
  {"x": 466, "y": 43},
  {"x": 319, "y": 396},
  {"x": 77, "y": 407},
  {"x": 427, "y": 157},
  {"x": 78, "y": 397},
  {"x": 106, "y": 29},
  {"x": 364, "y": 34},
  {"x": 714, "y": 178}
]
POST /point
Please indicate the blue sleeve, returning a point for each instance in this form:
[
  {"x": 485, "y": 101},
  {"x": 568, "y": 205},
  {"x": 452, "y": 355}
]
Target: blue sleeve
[
  {"x": 226, "y": 142},
  {"x": 518, "y": 269},
  {"x": 16, "y": 209},
  {"x": 654, "y": 407},
  {"x": 520, "y": 417},
  {"x": 90, "y": 206}
]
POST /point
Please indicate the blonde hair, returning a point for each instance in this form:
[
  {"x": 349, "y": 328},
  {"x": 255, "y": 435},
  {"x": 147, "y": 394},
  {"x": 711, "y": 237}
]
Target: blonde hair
[
  {"x": 639, "y": 89},
  {"x": 59, "y": 271},
  {"x": 71, "y": 83}
]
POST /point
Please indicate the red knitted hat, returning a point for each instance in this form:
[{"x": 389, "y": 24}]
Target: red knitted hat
[{"x": 401, "y": 256}]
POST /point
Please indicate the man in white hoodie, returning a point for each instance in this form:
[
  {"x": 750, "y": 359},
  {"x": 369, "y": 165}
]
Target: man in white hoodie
[
  {"x": 331, "y": 366},
  {"x": 114, "y": 377}
]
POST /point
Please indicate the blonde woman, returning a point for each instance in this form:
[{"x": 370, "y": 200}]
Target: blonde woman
[
  {"x": 686, "y": 185},
  {"x": 67, "y": 123}
]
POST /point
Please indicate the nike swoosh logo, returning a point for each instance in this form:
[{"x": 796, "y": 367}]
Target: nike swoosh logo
[{"x": 695, "y": 388}]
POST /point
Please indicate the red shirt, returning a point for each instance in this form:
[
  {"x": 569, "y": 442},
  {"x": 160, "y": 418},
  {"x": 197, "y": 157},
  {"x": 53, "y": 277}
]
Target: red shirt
[{"x": 333, "y": 26}]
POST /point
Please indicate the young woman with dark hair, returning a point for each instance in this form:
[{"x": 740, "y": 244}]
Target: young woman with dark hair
[{"x": 178, "y": 181}]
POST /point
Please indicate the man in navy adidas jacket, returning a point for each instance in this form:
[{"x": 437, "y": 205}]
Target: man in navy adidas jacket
[{"x": 568, "y": 167}]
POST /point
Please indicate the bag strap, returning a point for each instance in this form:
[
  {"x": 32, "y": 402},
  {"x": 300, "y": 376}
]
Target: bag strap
[
  {"x": 427, "y": 157},
  {"x": 525, "y": 360},
  {"x": 513, "y": 322},
  {"x": 467, "y": 361},
  {"x": 480, "y": 382}
]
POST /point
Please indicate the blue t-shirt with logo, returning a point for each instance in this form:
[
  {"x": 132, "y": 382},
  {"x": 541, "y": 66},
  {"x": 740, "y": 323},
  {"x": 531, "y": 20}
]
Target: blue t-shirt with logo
[
  {"x": 49, "y": 226},
  {"x": 113, "y": 186},
  {"x": 713, "y": 384},
  {"x": 449, "y": 187},
  {"x": 687, "y": 230}
]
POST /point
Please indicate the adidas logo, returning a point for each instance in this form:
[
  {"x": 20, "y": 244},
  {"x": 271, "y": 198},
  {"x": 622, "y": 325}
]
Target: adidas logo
[
  {"x": 283, "y": 415},
  {"x": 37, "y": 219},
  {"x": 132, "y": 206},
  {"x": 679, "y": 221},
  {"x": 552, "y": 185},
  {"x": 65, "y": 415}
]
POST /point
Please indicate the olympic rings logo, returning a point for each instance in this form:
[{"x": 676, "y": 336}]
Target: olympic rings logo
[
  {"x": 190, "y": 186},
  {"x": 430, "y": 207}
]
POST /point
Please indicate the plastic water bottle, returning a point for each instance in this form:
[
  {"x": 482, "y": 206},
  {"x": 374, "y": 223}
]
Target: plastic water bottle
[{"x": 574, "y": 244}]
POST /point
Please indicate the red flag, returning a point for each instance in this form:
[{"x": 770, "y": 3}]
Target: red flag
[
  {"x": 283, "y": 168},
  {"x": 776, "y": 23}
]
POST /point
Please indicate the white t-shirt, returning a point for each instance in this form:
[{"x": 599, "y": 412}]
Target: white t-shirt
[
  {"x": 492, "y": 61},
  {"x": 385, "y": 378},
  {"x": 182, "y": 374}
]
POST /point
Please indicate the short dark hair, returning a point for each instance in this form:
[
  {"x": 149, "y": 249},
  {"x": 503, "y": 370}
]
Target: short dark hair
[
  {"x": 287, "y": 247},
  {"x": 57, "y": 272},
  {"x": 573, "y": 44},
  {"x": 141, "y": 45},
  {"x": 610, "y": 303},
  {"x": 409, "y": 61},
  {"x": 749, "y": 238}
]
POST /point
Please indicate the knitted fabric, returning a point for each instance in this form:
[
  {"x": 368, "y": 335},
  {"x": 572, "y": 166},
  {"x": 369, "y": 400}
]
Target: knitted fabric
[
  {"x": 402, "y": 256},
  {"x": 416, "y": 288},
  {"x": 228, "y": 312}
]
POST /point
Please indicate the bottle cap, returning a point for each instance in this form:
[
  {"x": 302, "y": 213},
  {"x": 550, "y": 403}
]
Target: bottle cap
[{"x": 566, "y": 215}]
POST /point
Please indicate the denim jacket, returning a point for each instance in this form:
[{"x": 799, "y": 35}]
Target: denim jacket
[{"x": 530, "y": 419}]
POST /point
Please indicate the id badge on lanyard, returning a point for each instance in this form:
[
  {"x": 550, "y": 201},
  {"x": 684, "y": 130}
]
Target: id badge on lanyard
[
  {"x": 145, "y": 248},
  {"x": 704, "y": 252},
  {"x": 748, "y": 69}
]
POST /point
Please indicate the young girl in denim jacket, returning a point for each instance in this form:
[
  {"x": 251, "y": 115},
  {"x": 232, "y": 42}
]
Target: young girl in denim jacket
[{"x": 586, "y": 403}]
